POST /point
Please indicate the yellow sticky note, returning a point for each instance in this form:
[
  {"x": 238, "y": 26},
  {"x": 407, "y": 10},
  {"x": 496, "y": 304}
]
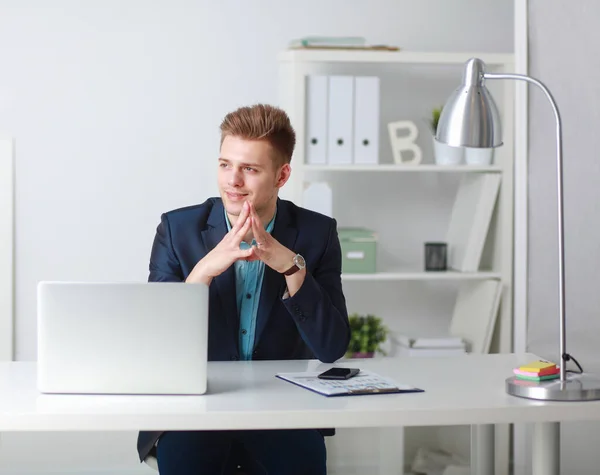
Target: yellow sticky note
[{"x": 537, "y": 366}]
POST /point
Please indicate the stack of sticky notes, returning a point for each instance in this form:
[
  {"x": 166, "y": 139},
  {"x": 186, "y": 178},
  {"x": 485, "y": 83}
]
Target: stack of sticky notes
[{"x": 537, "y": 371}]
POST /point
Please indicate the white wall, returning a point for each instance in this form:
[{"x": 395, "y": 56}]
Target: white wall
[{"x": 115, "y": 108}]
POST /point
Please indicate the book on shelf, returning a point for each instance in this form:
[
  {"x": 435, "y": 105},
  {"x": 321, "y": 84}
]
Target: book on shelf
[
  {"x": 423, "y": 352},
  {"x": 475, "y": 313},
  {"x": 430, "y": 341},
  {"x": 328, "y": 41},
  {"x": 470, "y": 220},
  {"x": 337, "y": 42}
]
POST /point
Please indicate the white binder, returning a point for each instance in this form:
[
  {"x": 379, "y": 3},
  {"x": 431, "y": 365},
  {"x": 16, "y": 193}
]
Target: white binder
[
  {"x": 341, "y": 118},
  {"x": 316, "y": 119},
  {"x": 366, "y": 120}
]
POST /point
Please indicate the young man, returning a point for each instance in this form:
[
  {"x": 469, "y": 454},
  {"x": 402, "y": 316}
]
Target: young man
[{"x": 273, "y": 271}]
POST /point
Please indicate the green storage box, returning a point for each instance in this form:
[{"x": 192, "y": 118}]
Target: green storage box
[{"x": 359, "y": 250}]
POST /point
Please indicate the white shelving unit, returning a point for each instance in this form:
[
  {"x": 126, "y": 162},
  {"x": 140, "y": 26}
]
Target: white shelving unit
[
  {"x": 295, "y": 65},
  {"x": 422, "y": 275},
  {"x": 388, "y": 57},
  {"x": 408, "y": 204},
  {"x": 403, "y": 168}
]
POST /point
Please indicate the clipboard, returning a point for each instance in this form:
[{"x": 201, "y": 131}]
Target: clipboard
[{"x": 363, "y": 384}]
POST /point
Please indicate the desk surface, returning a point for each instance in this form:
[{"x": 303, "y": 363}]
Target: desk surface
[{"x": 244, "y": 395}]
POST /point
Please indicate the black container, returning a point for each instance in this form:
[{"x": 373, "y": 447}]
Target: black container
[{"x": 436, "y": 256}]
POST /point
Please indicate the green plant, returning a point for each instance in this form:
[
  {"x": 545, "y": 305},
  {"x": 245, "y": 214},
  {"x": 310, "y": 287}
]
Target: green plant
[
  {"x": 367, "y": 332},
  {"x": 435, "y": 118}
]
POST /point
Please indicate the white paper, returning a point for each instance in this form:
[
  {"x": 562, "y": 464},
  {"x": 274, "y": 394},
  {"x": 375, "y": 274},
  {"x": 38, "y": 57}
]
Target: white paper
[{"x": 363, "y": 381}]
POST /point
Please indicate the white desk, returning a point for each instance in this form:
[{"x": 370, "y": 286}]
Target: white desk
[{"x": 246, "y": 395}]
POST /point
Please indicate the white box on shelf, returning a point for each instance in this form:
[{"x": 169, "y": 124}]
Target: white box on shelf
[
  {"x": 340, "y": 120},
  {"x": 366, "y": 120},
  {"x": 316, "y": 119},
  {"x": 318, "y": 197}
]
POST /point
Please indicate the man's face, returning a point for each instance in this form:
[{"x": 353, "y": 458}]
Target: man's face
[{"x": 248, "y": 172}]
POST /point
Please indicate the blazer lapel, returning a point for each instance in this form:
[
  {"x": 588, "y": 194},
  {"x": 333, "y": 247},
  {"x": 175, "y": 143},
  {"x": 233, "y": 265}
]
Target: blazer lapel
[
  {"x": 273, "y": 285},
  {"x": 225, "y": 283}
]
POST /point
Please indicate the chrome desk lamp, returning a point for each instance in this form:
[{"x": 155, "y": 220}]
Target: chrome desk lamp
[{"x": 470, "y": 119}]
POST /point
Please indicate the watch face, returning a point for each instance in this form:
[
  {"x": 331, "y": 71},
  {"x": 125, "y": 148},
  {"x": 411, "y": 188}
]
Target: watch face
[{"x": 299, "y": 261}]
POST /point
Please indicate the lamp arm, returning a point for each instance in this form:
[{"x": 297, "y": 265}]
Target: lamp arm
[{"x": 564, "y": 357}]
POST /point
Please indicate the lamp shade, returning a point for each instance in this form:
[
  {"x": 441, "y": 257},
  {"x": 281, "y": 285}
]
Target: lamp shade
[{"x": 470, "y": 117}]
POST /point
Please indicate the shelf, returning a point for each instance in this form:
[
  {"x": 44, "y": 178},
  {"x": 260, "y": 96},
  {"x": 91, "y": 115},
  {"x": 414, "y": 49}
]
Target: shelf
[
  {"x": 407, "y": 57},
  {"x": 422, "y": 275},
  {"x": 404, "y": 168}
]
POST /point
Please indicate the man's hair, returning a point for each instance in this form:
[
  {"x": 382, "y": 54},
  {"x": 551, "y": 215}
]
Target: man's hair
[{"x": 262, "y": 122}]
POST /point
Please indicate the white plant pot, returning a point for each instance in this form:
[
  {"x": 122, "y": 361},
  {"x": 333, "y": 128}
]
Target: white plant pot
[
  {"x": 479, "y": 156},
  {"x": 447, "y": 155}
]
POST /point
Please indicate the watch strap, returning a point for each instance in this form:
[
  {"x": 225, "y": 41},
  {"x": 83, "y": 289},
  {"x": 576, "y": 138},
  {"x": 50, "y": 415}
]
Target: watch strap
[{"x": 292, "y": 270}]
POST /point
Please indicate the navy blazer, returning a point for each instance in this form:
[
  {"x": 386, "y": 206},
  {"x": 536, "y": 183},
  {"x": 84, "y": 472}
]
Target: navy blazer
[{"x": 311, "y": 324}]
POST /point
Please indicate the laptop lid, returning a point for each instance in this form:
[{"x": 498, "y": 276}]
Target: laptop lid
[{"x": 122, "y": 338}]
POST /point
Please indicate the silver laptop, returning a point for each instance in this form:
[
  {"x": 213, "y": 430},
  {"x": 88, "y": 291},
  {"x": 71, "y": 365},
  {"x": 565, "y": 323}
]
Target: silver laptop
[{"x": 122, "y": 338}]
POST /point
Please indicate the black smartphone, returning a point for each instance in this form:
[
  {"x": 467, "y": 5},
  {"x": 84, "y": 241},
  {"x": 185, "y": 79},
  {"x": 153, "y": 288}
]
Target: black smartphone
[{"x": 339, "y": 373}]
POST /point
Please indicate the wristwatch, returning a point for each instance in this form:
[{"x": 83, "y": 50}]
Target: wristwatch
[{"x": 299, "y": 263}]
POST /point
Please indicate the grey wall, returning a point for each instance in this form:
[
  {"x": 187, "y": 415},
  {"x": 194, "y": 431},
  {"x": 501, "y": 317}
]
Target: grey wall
[{"x": 563, "y": 42}]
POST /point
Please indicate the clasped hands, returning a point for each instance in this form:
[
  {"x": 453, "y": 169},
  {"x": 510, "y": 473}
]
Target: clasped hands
[{"x": 267, "y": 249}]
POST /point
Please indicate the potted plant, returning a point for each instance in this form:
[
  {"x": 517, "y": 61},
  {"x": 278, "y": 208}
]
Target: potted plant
[
  {"x": 444, "y": 154},
  {"x": 435, "y": 119},
  {"x": 367, "y": 332}
]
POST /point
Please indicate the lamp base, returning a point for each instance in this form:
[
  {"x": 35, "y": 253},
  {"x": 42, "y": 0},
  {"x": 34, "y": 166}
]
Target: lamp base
[{"x": 577, "y": 387}]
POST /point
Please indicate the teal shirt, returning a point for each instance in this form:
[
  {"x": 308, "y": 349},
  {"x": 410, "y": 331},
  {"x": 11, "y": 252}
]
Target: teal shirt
[{"x": 248, "y": 283}]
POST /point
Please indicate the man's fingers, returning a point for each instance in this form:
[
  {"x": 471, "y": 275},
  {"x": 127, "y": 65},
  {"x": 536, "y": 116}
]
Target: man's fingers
[
  {"x": 241, "y": 232},
  {"x": 257, "y": 229},
  {"x": 254, "y": 254},
  {"x": 242, "y": 218},
  {"x": 248, "y": 254}
]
